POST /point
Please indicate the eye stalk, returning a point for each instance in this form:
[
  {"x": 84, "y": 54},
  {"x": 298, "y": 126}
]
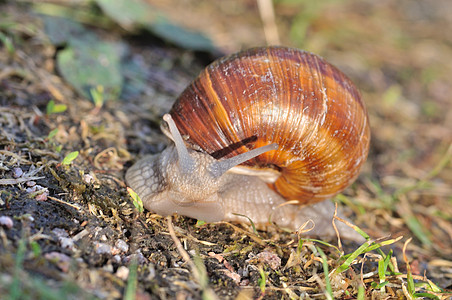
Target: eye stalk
[
  {"x": 220, "y": 167},
  {"x": 186, "y": 162}
]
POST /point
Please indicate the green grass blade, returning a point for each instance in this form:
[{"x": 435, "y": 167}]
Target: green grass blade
[
  {"x": 132, "y": 280},
  {"x": 329, "y": 290},
  {"x": 352, "y": 257}
]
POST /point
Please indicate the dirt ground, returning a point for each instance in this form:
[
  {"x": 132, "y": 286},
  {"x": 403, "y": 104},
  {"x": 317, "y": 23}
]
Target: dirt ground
[{"x": 70, "y": 230}]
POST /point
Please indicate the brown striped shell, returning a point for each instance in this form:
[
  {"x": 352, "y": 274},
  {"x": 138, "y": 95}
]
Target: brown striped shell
[{"x": 285, "y": 96}]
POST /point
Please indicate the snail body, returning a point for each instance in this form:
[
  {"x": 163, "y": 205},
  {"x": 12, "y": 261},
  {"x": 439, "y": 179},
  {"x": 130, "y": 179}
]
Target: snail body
[{"x": 262, "y": 127}]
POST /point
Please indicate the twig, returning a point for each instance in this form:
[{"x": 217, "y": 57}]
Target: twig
[
  {"x": 267, "y": 14},
  {"x": 207, "y": 292},
  {"x": 19, "y": 180},
  {"x": 339, "y": 243},
  {"x": 63, "y": 202},
  {"x": 15, "y": 156}
]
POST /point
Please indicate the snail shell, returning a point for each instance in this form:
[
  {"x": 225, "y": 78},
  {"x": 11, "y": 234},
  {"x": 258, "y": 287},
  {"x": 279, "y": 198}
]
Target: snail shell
[
  {"x": 258, "y": 99},
  {"x": 285, "y": 96}
]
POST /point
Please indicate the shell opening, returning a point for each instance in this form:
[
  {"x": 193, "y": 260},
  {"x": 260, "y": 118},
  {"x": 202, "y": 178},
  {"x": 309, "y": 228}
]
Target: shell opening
[
  {"x": 186, "y": 162},
  {"x": 218, "y": 168}
]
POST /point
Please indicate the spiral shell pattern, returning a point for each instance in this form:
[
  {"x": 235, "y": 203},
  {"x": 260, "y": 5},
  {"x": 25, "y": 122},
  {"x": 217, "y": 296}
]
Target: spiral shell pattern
[{"x": 285, "y": 96}]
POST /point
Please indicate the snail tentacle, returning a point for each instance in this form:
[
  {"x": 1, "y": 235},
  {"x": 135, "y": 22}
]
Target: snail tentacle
[
  {"x": 218, "y": 168},
  {"x": 186, "y": 163}
]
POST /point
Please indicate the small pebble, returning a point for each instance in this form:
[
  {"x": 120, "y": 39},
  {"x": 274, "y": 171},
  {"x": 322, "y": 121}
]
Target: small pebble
[
  {"x": 17, "y": 172},
  {"x": 31, "y": 189},
  {"x": 30, "y": 183},
  {"x": 61, "y": 260},
  {"x": 88, "y": 178},
  {"x": 67, "y": 243},
  {"x": 103, "y": 248},
  {"x": 59, "y": 232},
  {"x": 273, "y": 260},
  {"x": 138, "y": 256},
  {"x": 122, "y": 272},
  {"x": 116, "y": 259},
  {"x": 122, "y": 245},
  {"x": 108, "y": 268},
  {"x": 6, "y": 221},
  {"x": 42, "y": 196}
]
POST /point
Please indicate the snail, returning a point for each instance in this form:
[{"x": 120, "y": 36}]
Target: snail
[{"x": 254, "y": 130}]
